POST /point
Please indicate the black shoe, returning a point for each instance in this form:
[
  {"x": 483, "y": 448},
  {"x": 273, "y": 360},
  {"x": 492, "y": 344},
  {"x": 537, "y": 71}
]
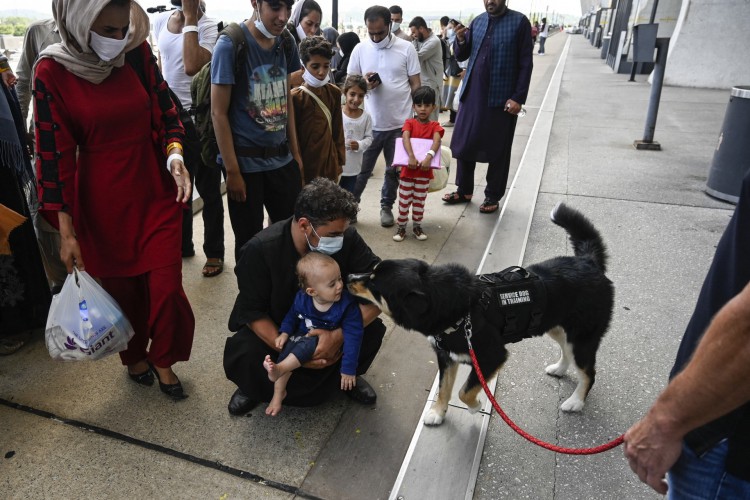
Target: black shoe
[
  {"x": 145, "y": 378},
  {"x": 174, "y": 391},
  {"x": 362, "y": 393},
  {"x": 239, "y": 403}
]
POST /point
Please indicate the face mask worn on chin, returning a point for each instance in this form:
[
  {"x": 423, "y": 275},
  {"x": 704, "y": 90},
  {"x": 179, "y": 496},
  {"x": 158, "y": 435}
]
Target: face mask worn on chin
[
  {"x": 328, "y": 245},
  {"x": 107, "y": 48},
  {"x": 262, "y": 28},
  {"x": 312, "y": 81},
  {"x": 382, "y": 43}
]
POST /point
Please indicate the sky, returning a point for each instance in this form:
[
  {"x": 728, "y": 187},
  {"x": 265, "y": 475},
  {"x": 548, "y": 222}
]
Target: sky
[{"x": 227, "y": 9}]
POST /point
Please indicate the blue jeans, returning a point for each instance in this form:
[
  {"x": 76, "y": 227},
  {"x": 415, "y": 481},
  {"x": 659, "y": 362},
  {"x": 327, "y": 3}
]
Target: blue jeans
[
  {"x": 301, "y": 346},
  {"x": 542, "y": 39},
  {"x": 385, "y": 141},
  {"x": 704, "y": 477}
]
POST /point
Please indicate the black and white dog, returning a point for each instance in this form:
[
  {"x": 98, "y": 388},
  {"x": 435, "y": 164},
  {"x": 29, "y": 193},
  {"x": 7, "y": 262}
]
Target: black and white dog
[{"x": 437, "y": 300}]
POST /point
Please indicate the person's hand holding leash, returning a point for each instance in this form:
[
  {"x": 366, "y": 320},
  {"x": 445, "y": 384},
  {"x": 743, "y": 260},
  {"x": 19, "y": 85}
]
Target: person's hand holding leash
[{"x": 651, "y": 450}]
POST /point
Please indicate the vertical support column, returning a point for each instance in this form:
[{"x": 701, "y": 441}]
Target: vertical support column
[{"x": 648, "y": 143}]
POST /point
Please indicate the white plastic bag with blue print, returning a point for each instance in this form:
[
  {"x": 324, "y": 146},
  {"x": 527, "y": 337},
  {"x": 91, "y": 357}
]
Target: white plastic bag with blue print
[{"x": 85, "y": 322}]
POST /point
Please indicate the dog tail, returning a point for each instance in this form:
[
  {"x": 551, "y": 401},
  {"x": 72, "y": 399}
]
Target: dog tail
[{"x": 585, "y": 238}]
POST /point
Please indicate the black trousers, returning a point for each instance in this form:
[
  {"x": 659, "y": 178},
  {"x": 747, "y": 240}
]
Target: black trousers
[
  {"x": 207, "y": 180},
  {"x": 276, "y": 190},
  {"x": 244, "y": 353}
]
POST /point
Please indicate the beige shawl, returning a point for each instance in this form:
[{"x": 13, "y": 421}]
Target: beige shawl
[{"x": 74, "y": 19}]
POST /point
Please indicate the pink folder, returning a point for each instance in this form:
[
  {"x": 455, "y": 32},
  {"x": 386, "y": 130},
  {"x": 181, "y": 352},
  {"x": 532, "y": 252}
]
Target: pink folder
[{"x": 420, "y": 147}]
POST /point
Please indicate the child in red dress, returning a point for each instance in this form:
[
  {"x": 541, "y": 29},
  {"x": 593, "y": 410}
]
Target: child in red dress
[{"x": 415, "y": 177}]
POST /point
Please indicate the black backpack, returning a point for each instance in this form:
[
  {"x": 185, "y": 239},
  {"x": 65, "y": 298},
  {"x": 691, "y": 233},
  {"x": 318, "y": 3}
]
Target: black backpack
[{"x": 200, "y": 89}]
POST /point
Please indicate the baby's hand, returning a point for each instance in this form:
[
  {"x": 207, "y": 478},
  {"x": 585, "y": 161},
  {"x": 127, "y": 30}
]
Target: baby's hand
[
  {"x": 425, "y": 165},
  {"x": 354, "y": 146},
  {"x": 281, "y": 340},
  {"x": 348, "y": 382}
]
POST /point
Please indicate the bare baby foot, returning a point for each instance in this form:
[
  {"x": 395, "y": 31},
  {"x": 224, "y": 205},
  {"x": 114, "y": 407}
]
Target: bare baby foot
[
  {"x": 270, "y": 366},
  {"x": 274, "y": 407}
]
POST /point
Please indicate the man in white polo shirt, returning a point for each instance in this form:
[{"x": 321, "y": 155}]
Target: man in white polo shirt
[
  {"x": 186, "y": 39},
  {"x": 391, "y": 67}
]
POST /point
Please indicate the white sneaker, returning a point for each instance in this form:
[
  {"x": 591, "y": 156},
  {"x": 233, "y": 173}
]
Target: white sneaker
[
  {"x": 419, "y": 234},
  {"x": 400, "y": 234}
]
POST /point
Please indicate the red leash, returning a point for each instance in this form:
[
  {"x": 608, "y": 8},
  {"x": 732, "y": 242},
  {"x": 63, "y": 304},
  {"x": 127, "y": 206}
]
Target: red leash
[{"x": 558, "y": 449}]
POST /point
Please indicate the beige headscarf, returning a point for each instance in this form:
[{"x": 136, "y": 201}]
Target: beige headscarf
[{"x": 74, "y": 19}]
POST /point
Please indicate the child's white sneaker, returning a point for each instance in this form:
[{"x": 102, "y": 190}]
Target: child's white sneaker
[
  {"x": 419, "y": 234},
  {"x": 400, "y": 234}
]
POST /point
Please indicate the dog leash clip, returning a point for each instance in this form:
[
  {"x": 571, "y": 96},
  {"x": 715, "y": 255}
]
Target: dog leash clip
[{"x": 467, "y": 330}]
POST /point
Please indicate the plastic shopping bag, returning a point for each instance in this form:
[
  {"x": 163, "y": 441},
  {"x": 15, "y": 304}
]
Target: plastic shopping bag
[
  {"x": 85, "y": 322},
  {"x": 440, "y": 175},
  {"x": 457, "y": 96}
]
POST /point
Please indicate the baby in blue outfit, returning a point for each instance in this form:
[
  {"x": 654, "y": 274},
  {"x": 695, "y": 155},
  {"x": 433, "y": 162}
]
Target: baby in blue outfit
[{"x": 322, "y": 303}]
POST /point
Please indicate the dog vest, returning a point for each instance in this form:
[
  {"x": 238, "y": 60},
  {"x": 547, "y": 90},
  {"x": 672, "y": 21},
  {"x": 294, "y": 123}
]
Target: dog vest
[{"x": 514, "y": 300}]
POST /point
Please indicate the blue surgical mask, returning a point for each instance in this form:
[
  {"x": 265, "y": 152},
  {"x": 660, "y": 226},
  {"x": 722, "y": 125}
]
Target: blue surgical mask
[
  {"x": 449, "y": 33},
  {"x": 328, "y": 245}
]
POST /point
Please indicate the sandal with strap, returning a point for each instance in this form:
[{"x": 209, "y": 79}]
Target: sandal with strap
[
  {"x": 489, "y": 206},
  {"x": 213, "y": 267},
  {"x": 455, "y": 197}
]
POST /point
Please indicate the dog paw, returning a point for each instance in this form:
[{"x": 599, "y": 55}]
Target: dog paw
[
  {"x": 573, "y": 404},
  {"x": 475, "y": 407},
  {"x": 434, "y": 417},
  {"x": 556, "y": 370}
]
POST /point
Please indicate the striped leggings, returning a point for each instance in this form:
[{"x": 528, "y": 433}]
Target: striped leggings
[{"x": 411, "y": 192}]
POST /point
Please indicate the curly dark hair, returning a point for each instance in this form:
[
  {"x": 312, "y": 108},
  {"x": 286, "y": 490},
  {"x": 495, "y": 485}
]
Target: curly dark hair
[
  {"x": 322, "y": 201},
  {"x": 315, "y": 46}
]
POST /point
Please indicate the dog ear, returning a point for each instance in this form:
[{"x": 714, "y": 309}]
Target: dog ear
[{"x": 416, "y": 302}]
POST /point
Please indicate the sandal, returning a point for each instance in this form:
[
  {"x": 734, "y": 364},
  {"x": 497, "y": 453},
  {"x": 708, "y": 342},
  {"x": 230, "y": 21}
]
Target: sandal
[
  {"x": 455, "y": 197},
  {"x": 489, "y": 206},
  {"x": 213, "y": 267}
]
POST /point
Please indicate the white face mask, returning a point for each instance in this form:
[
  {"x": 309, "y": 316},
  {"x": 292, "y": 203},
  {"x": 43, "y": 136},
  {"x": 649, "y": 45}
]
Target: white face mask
[
  {"x": 262, "y": 28},
  {"x": 395, "y": 26},
  {"x": 312, "y": 81},
  {"x": 301, "y": 33},
  {"x": 382, "y": 43},
  {"x": 107, "y": 48}
]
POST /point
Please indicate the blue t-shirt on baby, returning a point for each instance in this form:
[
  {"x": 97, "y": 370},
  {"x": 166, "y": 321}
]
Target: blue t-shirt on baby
[{"x": 258, "y": 112}]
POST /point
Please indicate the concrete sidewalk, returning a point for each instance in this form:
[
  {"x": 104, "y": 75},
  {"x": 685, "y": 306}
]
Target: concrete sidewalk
[{"x": 84, "y": 430}]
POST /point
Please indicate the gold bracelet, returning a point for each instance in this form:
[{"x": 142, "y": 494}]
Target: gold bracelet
[
  {"x": 173, "y": 145},
  {"x": 3, "y": 69}
]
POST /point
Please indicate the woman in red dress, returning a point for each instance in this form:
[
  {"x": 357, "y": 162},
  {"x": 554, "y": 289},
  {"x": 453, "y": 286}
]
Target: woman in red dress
[{"x": 111, "y": 175}]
